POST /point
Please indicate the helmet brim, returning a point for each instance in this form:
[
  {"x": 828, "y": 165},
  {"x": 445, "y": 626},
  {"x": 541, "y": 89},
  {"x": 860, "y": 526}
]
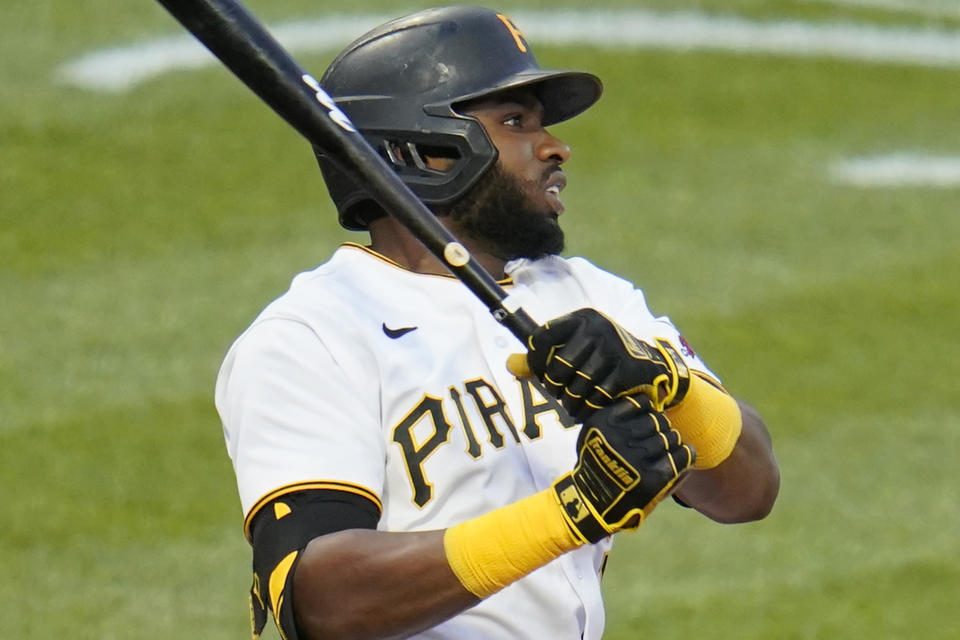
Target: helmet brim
[{"x": 563, "y": 94}]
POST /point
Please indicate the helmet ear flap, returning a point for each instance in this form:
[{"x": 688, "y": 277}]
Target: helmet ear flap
[
  {"x": 351, "y": 199},
  {"x": 463, "y": 144}
]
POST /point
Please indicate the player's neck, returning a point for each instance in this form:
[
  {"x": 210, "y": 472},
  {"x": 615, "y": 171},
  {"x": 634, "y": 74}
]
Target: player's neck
[{"x": 390, "y": 239}]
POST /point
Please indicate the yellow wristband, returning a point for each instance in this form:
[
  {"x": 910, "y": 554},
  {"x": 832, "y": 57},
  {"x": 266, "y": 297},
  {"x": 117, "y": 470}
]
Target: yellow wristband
[
  {"x": 489, "y": 552},
  {"x": 709, "y": 419}
]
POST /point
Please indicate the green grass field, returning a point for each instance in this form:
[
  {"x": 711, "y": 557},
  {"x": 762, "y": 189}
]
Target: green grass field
[{"x": 142, "y": 230}]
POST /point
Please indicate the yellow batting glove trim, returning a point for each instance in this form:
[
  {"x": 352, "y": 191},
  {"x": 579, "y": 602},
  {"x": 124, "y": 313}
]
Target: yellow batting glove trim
[
  {"x": 708, "y": 419},
  {"x": 496, "y": 549}
]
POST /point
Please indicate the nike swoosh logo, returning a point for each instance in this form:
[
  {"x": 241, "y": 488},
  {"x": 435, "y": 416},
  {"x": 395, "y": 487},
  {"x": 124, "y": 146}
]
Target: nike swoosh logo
[{"x": 396, "y": 333}]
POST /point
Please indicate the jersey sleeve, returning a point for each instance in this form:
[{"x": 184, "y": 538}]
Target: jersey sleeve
[
  {"x": 626, "y": 304},
  {"x": 296, "y": 419}
]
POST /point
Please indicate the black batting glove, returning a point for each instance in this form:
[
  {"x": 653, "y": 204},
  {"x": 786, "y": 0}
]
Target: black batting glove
[
  {"x": 586, "y": 361},
  {"x": 629, "y": 460}
]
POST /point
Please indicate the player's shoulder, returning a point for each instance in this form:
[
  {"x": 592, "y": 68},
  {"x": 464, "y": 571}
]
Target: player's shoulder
[
  {"x": 329, "y": 289},
  {"x": 337, "y": 299},
  {"x": 316, "y": 301},
  {"x": 331, "y": 276}
]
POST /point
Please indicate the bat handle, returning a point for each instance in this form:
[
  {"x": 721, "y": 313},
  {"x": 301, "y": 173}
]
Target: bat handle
[
  {"x": 518, "y": 322},
  {"x": 504, "y": 309}
]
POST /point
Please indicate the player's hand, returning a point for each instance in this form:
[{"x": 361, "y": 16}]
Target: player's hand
[
  {"x": 629, "y": 460},
  {"x": 586, "y": 361}
]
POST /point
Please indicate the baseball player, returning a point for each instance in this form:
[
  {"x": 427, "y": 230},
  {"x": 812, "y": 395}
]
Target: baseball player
[{"x": 405, "y": 467}]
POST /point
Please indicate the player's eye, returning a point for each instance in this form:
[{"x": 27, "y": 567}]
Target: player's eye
[{"x": 515, "y": 120}]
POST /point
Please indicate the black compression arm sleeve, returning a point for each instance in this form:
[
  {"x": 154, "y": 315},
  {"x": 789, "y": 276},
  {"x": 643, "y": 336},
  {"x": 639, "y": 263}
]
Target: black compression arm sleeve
[{"x": 283, "y": 527}]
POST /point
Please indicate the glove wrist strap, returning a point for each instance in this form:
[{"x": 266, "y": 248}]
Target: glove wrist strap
[
  {"x": 584, "y": 524},
  {"x": 679, "y": 378}
]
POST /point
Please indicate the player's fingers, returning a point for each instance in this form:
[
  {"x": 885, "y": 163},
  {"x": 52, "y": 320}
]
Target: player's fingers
[
  {"x": 563, "y": 363},
  {"x": 639, "y": 401},
  {"x": 665, "y": 470},
  {"x": 580, "y": 393},
  {"x": 607, "y": 386},
  {"x": 655, "y": 427},
  {"x": 597, "y": 398},
  {"x": 684, "y": 457},
  {"x": 555, "y": 332},
  {"x": 651, "y": 447},
  {"x": 550, "y": 353}
]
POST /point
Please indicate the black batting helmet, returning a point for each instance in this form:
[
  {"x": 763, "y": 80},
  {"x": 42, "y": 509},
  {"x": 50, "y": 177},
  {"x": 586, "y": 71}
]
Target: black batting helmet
[{"x": 400, "y": 84}]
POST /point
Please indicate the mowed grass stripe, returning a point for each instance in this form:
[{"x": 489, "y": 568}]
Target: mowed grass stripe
[
  {"x": 123, "y": 332},
  {"x": 863, "y": 431},
  {"x": 935, "y": 8},
  {"x": 848, "y": 346},
  {"x": 905, "y": 599},
  {"x": 125, "y": 523},
  {"x": 149, "y": 588}
]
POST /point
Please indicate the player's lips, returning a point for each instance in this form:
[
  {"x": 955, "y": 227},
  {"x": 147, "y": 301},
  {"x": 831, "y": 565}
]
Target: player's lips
[{"x": 555, "y": 184}]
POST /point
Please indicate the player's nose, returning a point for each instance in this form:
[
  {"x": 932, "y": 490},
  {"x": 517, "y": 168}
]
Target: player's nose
[{"x": 552, "y": 148}]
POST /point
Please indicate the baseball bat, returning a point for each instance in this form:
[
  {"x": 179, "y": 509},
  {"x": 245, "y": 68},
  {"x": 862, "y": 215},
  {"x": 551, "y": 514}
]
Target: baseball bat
[{"x": 244, "y": 45}]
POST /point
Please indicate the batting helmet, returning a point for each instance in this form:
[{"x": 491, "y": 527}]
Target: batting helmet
[{"x": 400, "y": 84}]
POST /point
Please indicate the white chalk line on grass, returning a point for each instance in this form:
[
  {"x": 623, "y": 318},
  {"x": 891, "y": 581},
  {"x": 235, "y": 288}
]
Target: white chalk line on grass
[
  {"x": 120, "y": 69},
  {"x": 898, "y": 170}
]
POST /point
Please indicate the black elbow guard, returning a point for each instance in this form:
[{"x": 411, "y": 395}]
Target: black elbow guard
[{"x": 279, "y": 532}]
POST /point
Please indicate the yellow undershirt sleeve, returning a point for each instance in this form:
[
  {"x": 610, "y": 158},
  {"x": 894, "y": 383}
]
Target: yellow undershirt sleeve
[
  {"x": 709, "y": 419},
  {"x": 492, "y": 551}
]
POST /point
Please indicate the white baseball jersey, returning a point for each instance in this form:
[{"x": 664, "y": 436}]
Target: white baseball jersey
[{"x": 370, "y": 378}]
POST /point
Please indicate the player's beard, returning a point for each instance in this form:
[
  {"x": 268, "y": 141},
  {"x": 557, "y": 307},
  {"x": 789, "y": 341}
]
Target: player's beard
[{"x": 498, "y": 215}]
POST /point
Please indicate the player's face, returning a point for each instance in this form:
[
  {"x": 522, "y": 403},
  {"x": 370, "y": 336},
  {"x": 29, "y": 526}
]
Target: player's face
[
  {"x": 513, "y": 210},
  {"x": 528, "y": 152}
]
